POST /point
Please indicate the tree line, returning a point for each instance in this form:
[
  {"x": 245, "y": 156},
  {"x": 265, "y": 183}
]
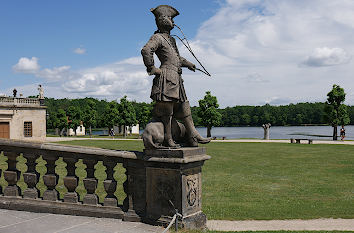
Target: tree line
[
  {"x": 94, "y": 113},
  {"x": 102, "y": 113}
]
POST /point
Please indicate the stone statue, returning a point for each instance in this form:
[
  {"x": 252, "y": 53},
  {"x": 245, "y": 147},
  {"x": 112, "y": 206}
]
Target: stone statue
[
  {"x": 167, "y": 89},
  {"x": 266, "y": 130},
  {"x": 41, "y": 92},
  {"x": 14, "y": 92}
]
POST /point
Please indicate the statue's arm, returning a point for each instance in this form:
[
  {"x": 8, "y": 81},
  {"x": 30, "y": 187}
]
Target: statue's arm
[
  {"x": 186, "y": 63},
  {"x": 148, "y": 53}
]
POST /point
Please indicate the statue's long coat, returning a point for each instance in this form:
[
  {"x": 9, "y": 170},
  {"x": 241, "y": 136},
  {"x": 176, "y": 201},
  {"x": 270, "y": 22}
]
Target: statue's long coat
[{"x": 169, "y": 85}]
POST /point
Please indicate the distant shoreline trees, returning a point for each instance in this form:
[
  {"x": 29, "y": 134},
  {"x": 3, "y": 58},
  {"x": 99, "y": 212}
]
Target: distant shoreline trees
[{"x": 284, "y": 115}]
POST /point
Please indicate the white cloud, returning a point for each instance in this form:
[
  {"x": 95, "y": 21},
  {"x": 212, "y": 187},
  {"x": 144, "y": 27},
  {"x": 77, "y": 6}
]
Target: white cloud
[
  {"x": 111, "y": 81},
  {"x": 26, "y": 65},
  {"x": 327, "y": 57},
  {"x": 80, "y": 50},
  {"x": 271, "y": 38},
  {"x": 55, "y": 73},
  {"x": 255, "y": 78}
]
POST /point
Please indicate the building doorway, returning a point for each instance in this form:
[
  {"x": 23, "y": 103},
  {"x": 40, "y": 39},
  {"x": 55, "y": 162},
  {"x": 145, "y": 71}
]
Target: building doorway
[{"x": 4, "y": 130}]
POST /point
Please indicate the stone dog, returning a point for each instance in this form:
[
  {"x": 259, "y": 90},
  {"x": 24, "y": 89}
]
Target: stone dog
[{"x": 153, "y": 136}]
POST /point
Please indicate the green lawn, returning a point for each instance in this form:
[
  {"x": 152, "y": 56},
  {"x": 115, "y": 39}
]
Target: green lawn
[{"x": 259, "y": 180}]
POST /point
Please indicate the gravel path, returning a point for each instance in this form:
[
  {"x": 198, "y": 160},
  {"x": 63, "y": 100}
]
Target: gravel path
[{"x": 278, "y": 225}]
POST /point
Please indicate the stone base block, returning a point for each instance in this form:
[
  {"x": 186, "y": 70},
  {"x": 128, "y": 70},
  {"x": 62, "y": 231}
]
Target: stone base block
[
  {"x": 12, "y": 191},
  {"x": 108, "y": 201},
  {"x": 50, "y": 195},
  {"x": 131, "y": 216},
  {"x": 90, "y": 199},
  {"x": 31, "y": 193},
  {"x": 71, "y": 197}
]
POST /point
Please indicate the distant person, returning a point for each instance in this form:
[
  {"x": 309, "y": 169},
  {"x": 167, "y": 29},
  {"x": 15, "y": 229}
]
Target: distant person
[
  {"x": 342, "y": 133},
  {"x": 14, "y": 92}
]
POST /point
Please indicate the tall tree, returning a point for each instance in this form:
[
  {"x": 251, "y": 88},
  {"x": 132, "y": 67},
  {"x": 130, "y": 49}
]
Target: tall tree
[
  {"x": 90, "y": 115},
  {"x": 111, "y": 115},
  {"x": 144, "y": 116},
  {"x": 61, "y": 120},
  {"x": 336, "y": 111},
  {"x": 208, "y": 112},
  {"x": 127, "y": 114}
]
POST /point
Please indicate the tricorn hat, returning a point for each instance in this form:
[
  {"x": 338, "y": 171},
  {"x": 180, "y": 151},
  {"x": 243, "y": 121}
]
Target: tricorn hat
[{"x": 164, "y": 10}]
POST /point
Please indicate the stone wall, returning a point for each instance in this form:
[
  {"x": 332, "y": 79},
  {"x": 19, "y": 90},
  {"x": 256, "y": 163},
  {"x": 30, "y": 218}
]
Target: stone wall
[{"x": 16, "y": 116}]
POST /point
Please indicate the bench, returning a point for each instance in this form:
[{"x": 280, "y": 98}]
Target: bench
[{"x": 298, "y": 140}]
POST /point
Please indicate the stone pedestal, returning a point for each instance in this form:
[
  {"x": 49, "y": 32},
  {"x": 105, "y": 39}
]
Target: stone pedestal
[{"x": 174, "y": 181}]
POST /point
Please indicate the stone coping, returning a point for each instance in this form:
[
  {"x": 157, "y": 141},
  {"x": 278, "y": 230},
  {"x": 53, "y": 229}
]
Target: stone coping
[{"x": 180, "y": 156}]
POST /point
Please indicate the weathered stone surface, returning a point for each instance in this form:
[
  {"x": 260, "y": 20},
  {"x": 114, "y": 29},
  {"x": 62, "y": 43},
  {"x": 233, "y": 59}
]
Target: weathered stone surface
[
  {"x": 110, "y": 201},
  {"x": 50, "y": 181},
  {"x": 175, "y": 187},
  {"x": 90, "y": 184},
  {"x": 43, "y": 206},
  {"x": 12, "y": 189},
  {"x": 90, "y": 199},
  {"x": 110, "y": 187},
  {"x": 70, "y": 183},
  {"x": 11, "y": 177},
  {"x": 31, "y": 193},
  {"x": 30, "y": 179},
  {"x": 71, "y": 197},
  {"x": 175, "y": 153},
  {"x": 51, "y": 195},
  {"x": 151, "y": 181}
]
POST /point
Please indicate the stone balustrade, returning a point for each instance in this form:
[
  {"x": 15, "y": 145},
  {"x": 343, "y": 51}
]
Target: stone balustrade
[
  {"x": 21, "y": 102},
  {"x": 156, "y": 182}
]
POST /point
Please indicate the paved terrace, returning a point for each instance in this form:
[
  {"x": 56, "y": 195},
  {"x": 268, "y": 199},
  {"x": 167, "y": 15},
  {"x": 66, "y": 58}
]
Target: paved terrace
[{"x": 12, "y": 221}]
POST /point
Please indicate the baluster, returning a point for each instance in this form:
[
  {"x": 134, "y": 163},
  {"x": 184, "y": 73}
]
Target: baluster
[
  {"x": 90, "y": 182},
  {"x": 110, "y": 184},
  {"x": 134, "y": 187},
  {"x": 31, "y": 177},
  {"x": 71, "y": 181},
  {"x": 50, "y": 178},
  {"x": 12, "y": 175}
]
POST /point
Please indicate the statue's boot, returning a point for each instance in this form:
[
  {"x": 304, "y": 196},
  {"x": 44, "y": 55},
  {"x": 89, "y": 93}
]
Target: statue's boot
[
  {"x": 164, "y": 111},
  {"x": 193, "y": 137},
  {"x": 168, "y": 139}
]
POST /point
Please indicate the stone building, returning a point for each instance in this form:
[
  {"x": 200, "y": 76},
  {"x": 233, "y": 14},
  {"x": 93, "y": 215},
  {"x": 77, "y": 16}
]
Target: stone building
[
  {"x": 22, "y": 118},
  {"x": 80, "y": 131}
]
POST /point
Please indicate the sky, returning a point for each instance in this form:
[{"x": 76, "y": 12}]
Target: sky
[{"x": 257, "y": 51}]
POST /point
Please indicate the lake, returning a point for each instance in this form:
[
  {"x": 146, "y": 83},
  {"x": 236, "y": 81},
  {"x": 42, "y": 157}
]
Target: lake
[
  {"x": 279, "y": 132},
  {"x": 276, "y": 132}
]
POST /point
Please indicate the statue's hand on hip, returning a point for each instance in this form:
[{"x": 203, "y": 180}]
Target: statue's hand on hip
[{"x": 155, "y": 71}]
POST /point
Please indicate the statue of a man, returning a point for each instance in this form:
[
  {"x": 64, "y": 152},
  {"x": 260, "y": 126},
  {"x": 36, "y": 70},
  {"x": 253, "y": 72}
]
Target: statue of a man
[
  {"x": 41, "y": 92},
  {"x": 266, "y": 128},
  {"x": 167, "y": 89}
]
